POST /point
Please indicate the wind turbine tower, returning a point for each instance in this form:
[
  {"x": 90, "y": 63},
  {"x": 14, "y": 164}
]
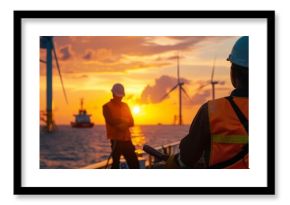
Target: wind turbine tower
[
  {"x": 213, "y": 82},
  {"x": 180, "y": 90},
  {"x": 180, "y": 84},
  {"x": 46, "y": 42}
]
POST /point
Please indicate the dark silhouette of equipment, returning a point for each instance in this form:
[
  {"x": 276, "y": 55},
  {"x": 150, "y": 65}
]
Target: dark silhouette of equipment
[{"x": 150, "y": 150}]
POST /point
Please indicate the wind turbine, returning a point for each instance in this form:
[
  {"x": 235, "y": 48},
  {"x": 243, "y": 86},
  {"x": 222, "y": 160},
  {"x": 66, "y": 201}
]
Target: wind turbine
[
  {"x": 179, "y": 85},
  {"x": 46, "y": 42},
  {"x": 212, "y": 81}
]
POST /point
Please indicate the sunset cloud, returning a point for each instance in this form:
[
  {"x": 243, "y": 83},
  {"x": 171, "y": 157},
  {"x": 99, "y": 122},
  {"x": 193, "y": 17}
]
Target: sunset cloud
[
  {"x": 122, "y": 53},
  {"x": 145, "y": 65},
  {"x": 154, "y": 93},
  {"x": 201, "y": 97},
  {"x": 65, "y": 53},
  {"x": 88, "y": 56}
]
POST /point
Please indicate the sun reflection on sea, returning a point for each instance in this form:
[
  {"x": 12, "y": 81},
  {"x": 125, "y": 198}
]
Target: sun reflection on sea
[{"x": 138, "y": 139}]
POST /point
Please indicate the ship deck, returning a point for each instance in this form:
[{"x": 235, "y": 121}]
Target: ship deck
[{"x": 146, "y": 161}]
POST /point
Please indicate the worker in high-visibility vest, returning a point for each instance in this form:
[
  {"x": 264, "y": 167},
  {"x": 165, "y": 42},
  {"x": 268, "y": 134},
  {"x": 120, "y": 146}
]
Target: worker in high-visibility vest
[
  {"x": 119, "y": 119},
  {"x": 218, "y": 136}
]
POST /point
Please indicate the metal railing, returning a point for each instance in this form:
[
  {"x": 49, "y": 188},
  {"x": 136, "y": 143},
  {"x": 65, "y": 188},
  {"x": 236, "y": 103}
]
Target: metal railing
[{"x": 147, "y": 160}]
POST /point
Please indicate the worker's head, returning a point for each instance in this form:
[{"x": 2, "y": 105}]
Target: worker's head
[
  {"x": 118, "y": 91},
  {"x": 239, "y": 58},
  {"x": 239, "y": 77}
]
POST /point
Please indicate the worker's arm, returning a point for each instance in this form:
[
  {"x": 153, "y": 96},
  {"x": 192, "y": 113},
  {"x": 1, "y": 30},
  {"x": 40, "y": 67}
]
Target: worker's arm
[
  {"x": 120, "y": 122},
  {"x": 126, "y": 121},
  {"x": 197, "y": 142},
  {"x": 194, "y": 145},
  {"x": 109, "y": 118},
  {"x": 130, "y": 117}
]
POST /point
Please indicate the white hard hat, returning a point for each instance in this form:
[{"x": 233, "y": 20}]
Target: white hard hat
[
  {"x": 240, "y": 52},
  {"x": 118, "y": 90}
]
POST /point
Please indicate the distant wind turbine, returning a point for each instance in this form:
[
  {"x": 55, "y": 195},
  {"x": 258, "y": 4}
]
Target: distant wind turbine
[
  {"x": 179, "y": 85},
  {"x": 212, "y": 81}
]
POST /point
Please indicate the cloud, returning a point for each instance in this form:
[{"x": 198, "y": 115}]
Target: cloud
[
  {"x": 129, "y": 97},
  {"x": 201, "y": 97},
  {"x": 88, "y": 56},
  {"x": 202, "y": 84},
  {"x": 154, "y": 94},
  {"x": 122, "y": 53},
  {"x": 129, "y": 45},
  {"x": 114, "y": 67},
  {"x": 65, "y": 53},
  {"x": 83, "y": 76}
]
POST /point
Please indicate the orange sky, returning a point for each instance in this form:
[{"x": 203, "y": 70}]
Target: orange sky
[{"x": 146, "y": 66}]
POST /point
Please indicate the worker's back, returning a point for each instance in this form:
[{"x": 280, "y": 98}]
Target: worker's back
[{"x": 228, "y": 135}]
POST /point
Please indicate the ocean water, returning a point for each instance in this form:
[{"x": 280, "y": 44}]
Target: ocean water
[{"x": 71, "y": 148}]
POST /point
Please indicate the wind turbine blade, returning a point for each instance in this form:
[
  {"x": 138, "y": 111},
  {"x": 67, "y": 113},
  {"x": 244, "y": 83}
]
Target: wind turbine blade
[
  {"x": 221, "y": 82},
  {"x": 164, "y": 96},
  {"x": 203, "y": 85},
  {"x": 60, "y": 76},
  {"x": 187, "y": 95},
  {"x": 213, "y": 67}
]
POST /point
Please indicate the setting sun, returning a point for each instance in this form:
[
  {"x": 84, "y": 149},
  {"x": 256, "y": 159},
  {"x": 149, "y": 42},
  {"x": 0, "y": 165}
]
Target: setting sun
[{"x": 136, "y": 110}]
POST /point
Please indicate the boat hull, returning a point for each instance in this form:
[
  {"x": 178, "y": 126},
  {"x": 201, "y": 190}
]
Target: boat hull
[{"x": 82, "y": 125}]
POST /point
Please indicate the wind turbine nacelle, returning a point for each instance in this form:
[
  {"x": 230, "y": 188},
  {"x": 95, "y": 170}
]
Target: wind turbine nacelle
[{"x": 45, "y": 41}]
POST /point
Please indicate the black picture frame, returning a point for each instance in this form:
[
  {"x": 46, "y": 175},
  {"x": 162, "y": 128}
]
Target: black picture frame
[{"x": 19, "y": 189}]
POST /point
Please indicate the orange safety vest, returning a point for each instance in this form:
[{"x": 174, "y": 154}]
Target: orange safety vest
[
  {"x": 118, "y": 111},
  {"x": 228, "y": 135}
]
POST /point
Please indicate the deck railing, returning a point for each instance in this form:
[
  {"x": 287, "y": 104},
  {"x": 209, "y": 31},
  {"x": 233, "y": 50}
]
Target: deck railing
[{"x": 146, "y": 160}]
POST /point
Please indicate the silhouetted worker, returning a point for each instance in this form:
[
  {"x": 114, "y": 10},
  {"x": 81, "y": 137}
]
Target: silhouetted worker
[
  {"x": 119, "y": 119},
  {"x": 218, "y": 136}
]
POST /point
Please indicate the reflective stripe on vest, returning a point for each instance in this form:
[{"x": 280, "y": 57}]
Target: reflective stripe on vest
[
  {"x": 230, "y": 139},
  {"x": 227, "y": 133}
]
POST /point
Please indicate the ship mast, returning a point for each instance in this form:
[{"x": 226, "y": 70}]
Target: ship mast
[{"x": 82, "y": 103}]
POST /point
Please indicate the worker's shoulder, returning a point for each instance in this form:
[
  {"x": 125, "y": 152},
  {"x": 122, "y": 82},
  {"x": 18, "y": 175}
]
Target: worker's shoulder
[
  {"x": 204, "y": 106},
  {"x": 106, "y": 104},
  {"x": 124, "y": 104},
  {"x": 210, "y": 106},
  {"x": 216, "y": 103},
  {"x": 216, "y": 100}
]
